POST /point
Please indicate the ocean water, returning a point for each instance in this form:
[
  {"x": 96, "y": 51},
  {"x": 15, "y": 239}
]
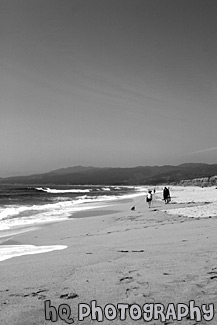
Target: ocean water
[{"x": 22, "y": 207}]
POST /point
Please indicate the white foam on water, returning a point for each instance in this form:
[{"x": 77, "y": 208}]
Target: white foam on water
[
  {"x": 50, "y": 190},
  {"x": 51, "y": 215},
  {"x": 9, "y": 251},
  {"x": 14, "y": 217}
]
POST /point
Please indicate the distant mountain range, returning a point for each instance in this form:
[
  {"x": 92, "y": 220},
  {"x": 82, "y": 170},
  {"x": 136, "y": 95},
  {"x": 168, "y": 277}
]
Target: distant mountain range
[{"x": 141, "y": 175}]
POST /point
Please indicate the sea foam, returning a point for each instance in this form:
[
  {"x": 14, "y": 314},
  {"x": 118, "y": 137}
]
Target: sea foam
[
  {"x": 9, "y": 251},
  {"x": 16, "y": 216},
  {"x": 56, "y": 191}
]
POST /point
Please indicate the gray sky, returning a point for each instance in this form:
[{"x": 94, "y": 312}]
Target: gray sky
[{"x": 107, "y": 83}]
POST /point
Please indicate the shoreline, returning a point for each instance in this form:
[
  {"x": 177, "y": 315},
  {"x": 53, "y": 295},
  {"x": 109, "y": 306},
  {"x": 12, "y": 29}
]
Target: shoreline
[
  {"x": 127, "y": 256},
  {"x": 9, "y": 242},
  {"x": 107, "y": 209},
  {"x": 59, "y": 212}
]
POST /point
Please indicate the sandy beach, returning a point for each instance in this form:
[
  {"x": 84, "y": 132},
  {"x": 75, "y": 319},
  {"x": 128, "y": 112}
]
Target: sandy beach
[
  {"x": 103, "y": 103},
  {"x": 113, "y": 256}
]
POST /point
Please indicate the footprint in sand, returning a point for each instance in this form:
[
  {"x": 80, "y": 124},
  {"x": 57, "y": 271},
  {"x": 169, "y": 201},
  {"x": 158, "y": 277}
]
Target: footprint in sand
[
  {"x": 135, "y": 285},
  {"x": 214, "y": 276},
  {"x": 70, "y": 295},
  {"x": 37, "y": 294},
  {"x": 130, "y": 291},
  {"x": 126, "y": 279},
  {"x": 133, "y": 251},
  {"x": 4, "y": 290},
  {"x": 5, "y": 302}
]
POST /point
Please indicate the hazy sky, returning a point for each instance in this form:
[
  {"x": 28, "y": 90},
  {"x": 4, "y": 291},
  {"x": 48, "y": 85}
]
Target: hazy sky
[{"x": 107, "y": 83}]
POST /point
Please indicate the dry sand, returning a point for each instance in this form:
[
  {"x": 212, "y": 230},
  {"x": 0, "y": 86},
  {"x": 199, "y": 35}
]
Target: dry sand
[{"x": 113, "y": 256}]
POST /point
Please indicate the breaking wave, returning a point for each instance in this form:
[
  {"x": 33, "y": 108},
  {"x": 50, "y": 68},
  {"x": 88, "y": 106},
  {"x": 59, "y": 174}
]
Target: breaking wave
[{"x": 55, "y": 191}]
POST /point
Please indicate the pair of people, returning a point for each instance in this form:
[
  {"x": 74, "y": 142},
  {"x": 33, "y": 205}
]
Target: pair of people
[{"x": 166, "y": 195}]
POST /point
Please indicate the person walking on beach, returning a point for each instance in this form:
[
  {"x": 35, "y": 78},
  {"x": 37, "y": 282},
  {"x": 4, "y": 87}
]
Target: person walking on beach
[
  {"x": 166, "y": 195},
  {"x": 149, "y": 198}
]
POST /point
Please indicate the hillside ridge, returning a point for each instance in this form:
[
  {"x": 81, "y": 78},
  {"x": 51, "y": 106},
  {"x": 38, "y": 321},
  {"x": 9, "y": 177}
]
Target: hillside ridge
[{"x": 140, "y": 175}]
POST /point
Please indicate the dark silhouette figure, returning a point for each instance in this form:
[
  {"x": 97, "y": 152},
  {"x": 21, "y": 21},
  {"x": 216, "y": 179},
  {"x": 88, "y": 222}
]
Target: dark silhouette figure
[{"x": 166, "y": 195}]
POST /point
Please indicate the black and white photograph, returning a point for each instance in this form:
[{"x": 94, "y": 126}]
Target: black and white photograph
[{"x": 108, "y": 162}]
